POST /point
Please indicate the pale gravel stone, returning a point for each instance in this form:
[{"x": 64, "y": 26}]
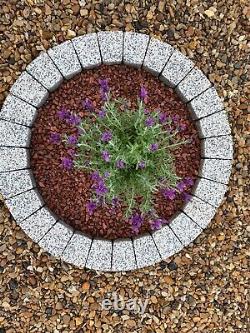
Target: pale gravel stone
[
  {"x": 88, "y": 51},
  {"x": 214, "y": 125},
  {"x": 157, "y": 56},
  {"x": 135, "y": 47},
  {"x": 176, "y": 69},
  {"x": 210, "y": 191},
  {"x": 146, "y": 252},
  {"x": 18, "y": 111},
  {"x": 123, "y": 255},
  {"x": 100, "y": 255},
  {"x": 205, "y": 104},
  {"x": 14, "y": 135},
  {"x": 13, "y": 159},
  {"x": 166, "y": 242},
  {"x": 216, "y": 170},
  {"x": 111, "y": 46},
  {"x": 199, "y": 211},
  {"x": 16, "y": 182},
  {"x": 193, "y": 85},
  {"x": 76, "y": 251},
  {"x": 218, "y": 147},
  {"x": 38, "y": 224},
  {"x": 56, "y": 239},
  {"x": 28, "y": 89},
  {"x": 185, "y": 229},
  {"x": 66, "y": 60},
  {"x": 44, "y": 71},
  {"x": 24, "y": 204}
]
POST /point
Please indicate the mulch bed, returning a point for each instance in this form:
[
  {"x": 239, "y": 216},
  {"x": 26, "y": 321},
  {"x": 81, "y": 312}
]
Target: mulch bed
[{"x": 67, "y": 192}]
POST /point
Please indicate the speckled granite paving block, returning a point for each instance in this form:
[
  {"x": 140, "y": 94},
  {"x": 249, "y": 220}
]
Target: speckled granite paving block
[
  {"x": 192, "y": 85},
  {"x": 205, "y": 104},
  {"x": 111, "y": 46},
  {"x": 65, "y": 58},
  {"x": 87, "y": 50},
  {"x": 146, "y": 252},
  {"x": 28, "y": 89},
  {"x": 100, "y": 255},
  {"x": 56, "y": 239},
  {"x": 24, "y": 204},
  {"x": 185, "y": 229},
  {"x": 214, "y": 125},
  {"x": 18, "y": 111},
  {"x": 176, "y": 69},
  {"x": 157, "y": 55},
  {"x": 123, "y": 255},
  {"x": 14, "y": 135},
  {"x": 210, "y": 191},
  {"x": 38, "y": 224},
  {"x": 13, "y": 159},
  {"x": 15, "y": 182},
  {"x": 44, "y": 71},
  {"x": 216, "y": 170},
  {"x": 166, "y": 242},
  {"x": 76, "y": 252},
  {"x": 199, "y": 211},
  {"x": 135, "y": 47},
  {"x": 218, "y": 147}
]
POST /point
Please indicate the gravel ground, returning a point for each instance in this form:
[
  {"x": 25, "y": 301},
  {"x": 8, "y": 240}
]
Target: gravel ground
[{"x": 204, "y": 288}]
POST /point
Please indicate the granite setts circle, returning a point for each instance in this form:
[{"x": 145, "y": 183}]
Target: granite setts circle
[{"x": 31, "y": 90}]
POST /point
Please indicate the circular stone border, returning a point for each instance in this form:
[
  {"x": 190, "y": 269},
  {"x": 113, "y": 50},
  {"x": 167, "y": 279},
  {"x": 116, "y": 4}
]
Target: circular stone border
[{"x": 31, "y": 90}]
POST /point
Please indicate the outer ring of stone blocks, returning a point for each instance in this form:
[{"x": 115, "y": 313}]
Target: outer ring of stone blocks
[{"x": 30, "y": 91}]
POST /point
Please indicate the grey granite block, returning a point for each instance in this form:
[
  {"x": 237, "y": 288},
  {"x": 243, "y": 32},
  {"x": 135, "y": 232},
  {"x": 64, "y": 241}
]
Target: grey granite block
[
  {"x": 13, "y": 159},
  {"x": 135, "y": 47},
  {"x": 88, "y": 51},
  {"x": 185, "y": 229},
  {"x": 16, "y": 182},
  {"x": 65, "y": 58},
  {"x": 111, "y": 46},
  {"x": 56, "y": 239},
  {"x": 38, "y": 224},
  {"x": 166, "y": 242},
  {"x": 216, "y": 170},
  {"x": 218, "y": 147},
  {"x": 123, "y": 255},
  {"x": 76, "y": 252},
  {"x": 176, "y": 69},
  {"x": 44, "y": 71},
  {"x": 14, "y": 135},
  {"x": 193, "y": 85},
  {"x": 146, "y": 252},
  {"x": 157, "y": 55},
  {"x": 210, "y": 191},
  {"x": 24, "y": 204},
  {"x": 28, "y": 89},
  {"x": 100, "y": 255},
  {"x": 18, "y": 111},
  {"x": 214, "y": 125},
  {"x": 205, "y": 104},
  {"x": 199, "y": 211}
]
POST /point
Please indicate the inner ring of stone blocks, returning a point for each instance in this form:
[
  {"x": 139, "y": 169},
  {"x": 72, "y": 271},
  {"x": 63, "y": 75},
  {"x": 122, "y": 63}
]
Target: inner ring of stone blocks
[{"x": 31, "y": 90}]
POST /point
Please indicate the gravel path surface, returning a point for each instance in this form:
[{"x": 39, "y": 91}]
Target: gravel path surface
[{"x": 204, "y": 287}]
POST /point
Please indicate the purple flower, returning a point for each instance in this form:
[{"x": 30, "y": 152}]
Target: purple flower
[
  {"x": 73, "y": 120},
  {"x": 55, "y": 138},
  {"x": 120, "y": 164},
  {"x": 157, "y": 223},
  {"x": 153, "y": 147},
  {"x": 181, "y": 186},
  {"x": 95, "y": 176},
  {"x": 72, "y": 140},
  {"x": 67, "y": 163},
  {"x": 106, "y": 136},
  {"x": 87, "y": 104},
  {"x": 114, "y": 202},
  {"x": 186, "y": 197},
  {"x": 104, "y": 85},
  {"x": 141, "y": 165},
  {"x": 149, "y": 121},
  {"x": 100, "y": 188},
  {"x": 163, "y": 117},
  {"x": 63, "y": 113},
  {"x": 106, "y": 156},
  {"x": 169, "y": 193},
  {"x": 91, "y": 207},
  {"x": 136, "y": 222},
  {"x": 143, "y": 94},
  {"x": 102, "y": 113},
  {"x": 189, "y": 181},
  {"x": 183, "y": 127},
  {"x": 106, "y": 174},
  {"x": 146, "y": 111},
  {"x": 176, "y": 118}
]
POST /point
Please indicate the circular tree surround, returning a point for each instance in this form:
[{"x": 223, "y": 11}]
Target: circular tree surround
[{"x": 42, "y": 76}]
